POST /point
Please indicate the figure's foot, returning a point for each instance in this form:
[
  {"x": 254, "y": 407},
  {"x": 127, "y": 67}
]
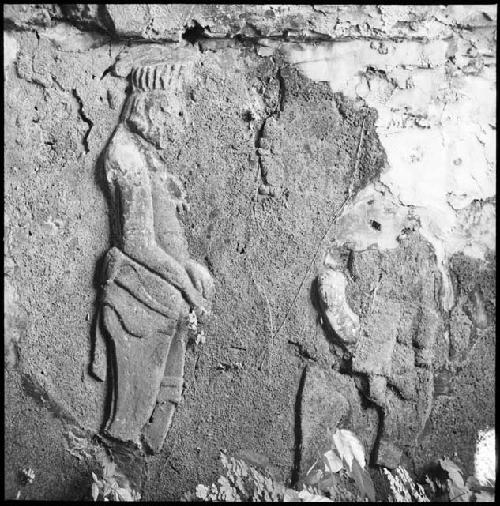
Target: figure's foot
[{"x": 156, "y": 431}]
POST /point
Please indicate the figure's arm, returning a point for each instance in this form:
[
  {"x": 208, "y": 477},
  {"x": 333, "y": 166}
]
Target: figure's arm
[
  {"x": 200, "y": 276},
  {"x": 332, "y": 284},
  {"x": 127, "y": 172}
]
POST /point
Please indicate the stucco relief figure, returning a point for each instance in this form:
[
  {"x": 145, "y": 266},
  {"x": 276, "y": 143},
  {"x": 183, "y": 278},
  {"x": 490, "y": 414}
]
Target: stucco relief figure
[
  {"x": 391, "y": 361},
  {"x": 151, "y": 283}
]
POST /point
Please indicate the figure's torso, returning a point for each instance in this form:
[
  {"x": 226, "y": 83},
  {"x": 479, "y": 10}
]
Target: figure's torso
[{"x": 166, "y": 190}]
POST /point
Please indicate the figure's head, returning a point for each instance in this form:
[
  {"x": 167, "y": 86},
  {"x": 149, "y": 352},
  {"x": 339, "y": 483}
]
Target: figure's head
[{"x": 156, "y": 108}]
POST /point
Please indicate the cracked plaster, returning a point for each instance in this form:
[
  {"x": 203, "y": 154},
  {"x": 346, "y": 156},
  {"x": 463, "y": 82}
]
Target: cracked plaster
[
  {"x": 437, "y": 123},
  {"x": 419, "y": 96}
]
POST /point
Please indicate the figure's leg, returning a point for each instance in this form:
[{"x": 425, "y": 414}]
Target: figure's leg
[
  {"x": 138, "y": 366},
  {"x": 377, "y": 385},
  {"x": 170, "y": 393}
]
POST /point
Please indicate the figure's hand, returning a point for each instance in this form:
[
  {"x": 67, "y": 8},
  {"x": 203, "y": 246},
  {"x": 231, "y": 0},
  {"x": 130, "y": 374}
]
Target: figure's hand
[
  {"x": 196, "y": 302},
  {"x": 201, "y": 278}
]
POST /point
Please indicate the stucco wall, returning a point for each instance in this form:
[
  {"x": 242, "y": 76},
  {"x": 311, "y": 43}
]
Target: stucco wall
[{"x": 380, "y": 122}]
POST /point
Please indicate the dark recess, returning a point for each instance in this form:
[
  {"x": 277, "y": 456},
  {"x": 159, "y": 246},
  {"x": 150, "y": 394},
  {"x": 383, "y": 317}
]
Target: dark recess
[
  {"x": 194, "y": 33},
  {"x": 298, "y": 429}
]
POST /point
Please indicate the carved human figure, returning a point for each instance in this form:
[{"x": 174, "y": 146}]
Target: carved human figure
[
  {"x": 378, "y": 353},
  {"x": 151, "y": 282}
]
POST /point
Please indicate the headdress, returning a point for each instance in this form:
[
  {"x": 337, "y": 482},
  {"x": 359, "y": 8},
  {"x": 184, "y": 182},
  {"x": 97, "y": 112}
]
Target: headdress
[
  {"x": 158, "y": 77},
  {"x": 156, "y": 66}
]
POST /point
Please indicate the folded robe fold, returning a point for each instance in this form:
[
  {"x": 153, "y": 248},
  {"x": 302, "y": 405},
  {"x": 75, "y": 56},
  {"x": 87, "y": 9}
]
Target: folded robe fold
[{"x": 142, "y": 315}]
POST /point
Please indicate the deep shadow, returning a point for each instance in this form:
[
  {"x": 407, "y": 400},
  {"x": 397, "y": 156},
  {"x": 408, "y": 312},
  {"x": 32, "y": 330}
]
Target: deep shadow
[
  {"x": 298, "y": 430},
  {"x": 97, "y": 280},
  {"x": 100, "y": 179},
  {"x": 98, "y": 276},
  {"x": 95, "y": 322},
  {"x": 314, "y": 295},
  {"x": 194, "y": 33},
  {"x": 380, "y": 432},
  {"x": 330, "y": 334},
  {"x": 128, "y": 457},
  {"x": 110, "y": 380},
  {"x": 362, "y": 385}
]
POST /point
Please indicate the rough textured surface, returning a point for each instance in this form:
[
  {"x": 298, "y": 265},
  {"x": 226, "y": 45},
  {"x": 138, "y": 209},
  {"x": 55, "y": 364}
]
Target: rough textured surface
[
  {"x": 328, "y": 21},
  {"x": 257, "y": 258},
  {"x": 38, "y": 437},
  {"x": 395, "y": 294},
  {"x": 465, "y": 401},
  {"x": 279, "y": 165},
  {"x": 322, "y": 414}
]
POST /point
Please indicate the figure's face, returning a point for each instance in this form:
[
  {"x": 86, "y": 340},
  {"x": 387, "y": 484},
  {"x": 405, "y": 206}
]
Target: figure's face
[
  {"x": 167, "y": 117},
  {"x": 159, "y": 116}
]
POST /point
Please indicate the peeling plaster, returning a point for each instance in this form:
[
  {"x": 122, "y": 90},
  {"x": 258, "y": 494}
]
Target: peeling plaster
[
  {"x": 437, "y": 123},
  {"x": 373, "y": 205},
  {"x": 66, "y": 37},
  {"x": 15, "y": 319},
  {"x": 10, "y": 50},
  {"x": 484, "y": 459}
]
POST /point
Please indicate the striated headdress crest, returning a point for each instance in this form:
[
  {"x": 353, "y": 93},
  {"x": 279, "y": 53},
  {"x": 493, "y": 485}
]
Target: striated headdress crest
[
  {"x": 156, "y": 66},
  {"x": 158, "y": 77}
]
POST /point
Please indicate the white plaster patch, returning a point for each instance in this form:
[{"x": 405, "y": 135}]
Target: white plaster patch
[
  {"x": 10, "y": 50},
  {"x": 485, "y": 458},
  {"x": 66, "y": 37},
  {"x": 438, "y": 130},
  {"x": 374, "y": 218}
]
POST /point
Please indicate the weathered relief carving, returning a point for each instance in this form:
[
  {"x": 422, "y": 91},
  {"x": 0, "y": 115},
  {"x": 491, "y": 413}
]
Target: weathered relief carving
[
  {"x": 151, "y": 282},
  {"x": 331, "y": 285},
  {"x": 392, "y": 346},
  {"x": 271, "y": 167}
]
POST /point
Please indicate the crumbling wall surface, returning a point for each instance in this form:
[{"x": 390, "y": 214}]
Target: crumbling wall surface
[{"x": 363, "y": 130}]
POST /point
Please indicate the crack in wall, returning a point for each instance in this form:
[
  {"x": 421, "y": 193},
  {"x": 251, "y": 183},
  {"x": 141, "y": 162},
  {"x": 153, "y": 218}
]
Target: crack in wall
[
  {"x": 281, "y": 90},
  {"x": 295, "y": 474},
  {"x": 84, "y": 118},
  {"x": 257, "y": 38},
  {"x": 302, "y": 351},
  {"x": 257, "y": 143}
]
